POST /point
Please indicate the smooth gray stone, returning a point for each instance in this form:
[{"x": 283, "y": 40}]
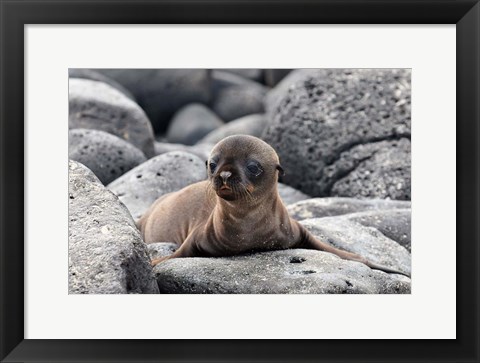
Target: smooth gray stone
[
  {"x": 246, "y": 125},
  {"x": 191, "y": 123},
  {"x": 96, "y": 105},
  {"x": 162, "y": 92},
  {"x": 93, "y": 75},
  {"x": 235, "y": 97}
]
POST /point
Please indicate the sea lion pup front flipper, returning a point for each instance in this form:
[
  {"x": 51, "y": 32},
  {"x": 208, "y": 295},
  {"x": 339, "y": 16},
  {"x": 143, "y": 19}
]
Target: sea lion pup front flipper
[{"x": 310, "y": 242}]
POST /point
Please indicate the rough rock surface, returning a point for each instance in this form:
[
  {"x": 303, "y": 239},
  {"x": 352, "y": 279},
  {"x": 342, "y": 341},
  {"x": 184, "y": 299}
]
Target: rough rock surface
[
  {"x": 106, "y": 155},
  {"x": 235, "y": 97},
  {"x": 366, "y": 241},
  {"x": 334, "y": 206},
  {"x": 290, "y": 195},
  {"x": 96, "y": 105},
  {"x": 191, "y": 123},
  {"x": 93, "y": 75},
  {"x": 247, "y": 125},
  {"x": 163, "y": 174},
  {"x": 278, "y": 272},
  {"x": 161, "y": 92},
  {"x": 106, "y": 252},
  {"x": 347, "y": 132},
  {"x": 395, "y": 223},
  {"x": 201, "y": 150}
]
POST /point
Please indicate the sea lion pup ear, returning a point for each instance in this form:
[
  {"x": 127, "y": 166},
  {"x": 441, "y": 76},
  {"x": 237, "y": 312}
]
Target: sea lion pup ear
[{"x": 280, "y": 170}]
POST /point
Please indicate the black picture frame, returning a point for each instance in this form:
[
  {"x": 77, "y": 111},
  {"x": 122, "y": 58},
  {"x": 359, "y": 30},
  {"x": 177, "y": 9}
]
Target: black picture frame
[{"x": 15, "y": 14}]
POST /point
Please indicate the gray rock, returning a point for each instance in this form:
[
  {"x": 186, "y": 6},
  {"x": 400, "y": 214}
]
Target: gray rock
[
  {"x": 278, "y": 272},
  {"x": 345, "y": 131},
  {"x": 201, "y": 150},
  {"x": 161, "y": 249},
  {"x": 274, "y": 76},
  {"x": 327, "y": 207},
  {"x": 161, "y": 92},
  {"x": 235, "y": 97},
  {"x": 96, "y": 105},
  {"x": 290, "y": 195},
  {"x": 366, "y": 241},
  {"x": 191, "y": 123},
  {"x": 373, "y": 170},
  {"x": 96, "y": 76},
  {"x": 249, "y": 73},
  {"x": 106, "y": 254},
  {"x": 246, "y": 125},
  {"x": 394, "y": 223},
  {"x": 166, "y": 173},
  {"x": 106, "y": 155}
]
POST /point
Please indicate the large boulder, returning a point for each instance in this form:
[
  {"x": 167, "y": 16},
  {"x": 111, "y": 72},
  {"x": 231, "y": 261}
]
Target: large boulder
[
  {"x": 191, "y": 123},
  {"x": 293, "y": 271},
  {"x": 346, "y": 132},
  {"x": 235, "y": 96},
  {"x": 96, "y": 105},
  {"x": 106, "y": 254},
  {"x": 166, "y": 173},
  {"x": 93, "y": 75},
  {"x": 246, "y": 125},
  {"x": 162, "y": 92},
  {"x": 106, "y": 155}
]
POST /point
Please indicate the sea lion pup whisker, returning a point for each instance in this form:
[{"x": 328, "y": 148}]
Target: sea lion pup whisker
[{"x": 216, "y": 217}]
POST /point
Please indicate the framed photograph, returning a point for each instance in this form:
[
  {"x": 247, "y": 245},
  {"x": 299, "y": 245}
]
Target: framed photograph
[{"x": 330, "y": 101}]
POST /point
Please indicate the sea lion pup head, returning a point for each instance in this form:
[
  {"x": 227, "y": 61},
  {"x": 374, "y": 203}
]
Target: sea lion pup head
[{"x": 243, "y": 167}]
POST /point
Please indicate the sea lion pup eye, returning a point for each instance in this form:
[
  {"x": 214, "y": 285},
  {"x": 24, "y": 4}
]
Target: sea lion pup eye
[{"x": 237, "y": 210}]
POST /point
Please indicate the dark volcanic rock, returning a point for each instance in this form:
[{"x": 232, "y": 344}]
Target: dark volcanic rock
[
  {"x": 247, "y": 125},
  {"x": 235, "y": 97},
  {"x": 166, "y": 173},
  {"x": 96, "y": 76},
  {"x": 201, "y": 150},
  {"x": 96, "y": 105},
  {"x": 106, "y": 254},
  {"x": 191, "y": 123},
  {"x": 345, "y": 131},
  {"x": 279, "y": 272},
  {"x": 327, "y": 207},
  {"x": 106, "y": 155},
  {"x": 161, "y": 92}
]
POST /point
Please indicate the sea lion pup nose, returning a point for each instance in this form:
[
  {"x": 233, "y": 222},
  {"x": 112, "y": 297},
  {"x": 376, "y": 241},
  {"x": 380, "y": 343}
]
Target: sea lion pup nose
[{"x": 236, "y": 210}]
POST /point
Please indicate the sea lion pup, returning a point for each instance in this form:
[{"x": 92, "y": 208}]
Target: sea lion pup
[{"x": 237, "y": 210}]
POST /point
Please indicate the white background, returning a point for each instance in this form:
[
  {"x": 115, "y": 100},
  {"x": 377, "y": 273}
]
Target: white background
[{"x": 429, "y": 312}]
